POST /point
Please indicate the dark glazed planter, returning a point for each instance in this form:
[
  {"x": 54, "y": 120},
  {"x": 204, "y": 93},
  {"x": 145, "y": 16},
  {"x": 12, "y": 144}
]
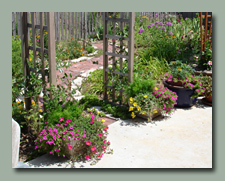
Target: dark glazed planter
[{"x": 184, "y": 95}]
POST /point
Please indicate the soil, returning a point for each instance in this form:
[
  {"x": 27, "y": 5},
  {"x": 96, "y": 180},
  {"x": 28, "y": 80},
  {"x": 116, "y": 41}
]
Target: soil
[{"x": 26, "y": 147}]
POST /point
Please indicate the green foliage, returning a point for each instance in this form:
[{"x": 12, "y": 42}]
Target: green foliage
[
  {"x": 116, "y": 111},
  {"x": 206, "y": 82},
  {"x": 17, "y": 68},
  {"x": 90, "y": 49},
  {"x": 90, "y": 100},
  {"x": 180, "y": 70},
  {"x": 70, "y": 110},
  {"x": 139, "y": 85},
  {"x": 93, "y": 83}
]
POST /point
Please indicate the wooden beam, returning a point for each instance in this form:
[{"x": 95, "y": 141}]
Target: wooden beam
[
  {"x": 51, "y": 48},
  {"x": 131, "y": 46}
]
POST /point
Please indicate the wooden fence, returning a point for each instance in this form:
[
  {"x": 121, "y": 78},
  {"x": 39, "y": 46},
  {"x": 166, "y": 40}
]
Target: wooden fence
[{"x": 77, "y": 24}]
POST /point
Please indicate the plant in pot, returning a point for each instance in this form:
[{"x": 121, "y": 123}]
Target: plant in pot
[
  {"x": 206, "y": 82},
  {"x": 83, "y": 137},
  {"x": 181, "y": 80},
  {"x": 148, "y": 100}
]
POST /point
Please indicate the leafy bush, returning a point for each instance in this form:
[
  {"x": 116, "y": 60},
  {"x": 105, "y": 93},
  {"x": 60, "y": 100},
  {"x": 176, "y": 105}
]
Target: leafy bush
[
  {"x": 17, "y": 68},
  {"x": 139, "y": 85},
  {"x": 90, "y": 49},
  {"x": 69, "y": 110}
]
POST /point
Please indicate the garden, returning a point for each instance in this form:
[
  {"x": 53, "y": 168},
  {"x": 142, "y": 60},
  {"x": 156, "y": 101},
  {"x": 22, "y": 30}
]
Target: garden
[{"x": 169, "y": 72}]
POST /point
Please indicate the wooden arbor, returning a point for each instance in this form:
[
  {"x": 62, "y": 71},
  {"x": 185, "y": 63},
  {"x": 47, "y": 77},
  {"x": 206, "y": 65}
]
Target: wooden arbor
[
  {"x": 111, "y": 18},
  {"x": 207, "y": 26},
  {"x": 50, "y": 29}
]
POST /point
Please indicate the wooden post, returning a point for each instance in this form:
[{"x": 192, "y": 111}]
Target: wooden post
[
  {"x": 73, "y": 35},
  {"x": 105, "y": 57},
  {"x": 206, "y": 29},
  {"x": 66, "y": 26},
  {"x": 51, "y": 50},
  {"x": 13, "y": 24},
  {"x": 201, "y": 32},
  {"x": 131, "y": 46},
  {"x": 25, "y": 56}
]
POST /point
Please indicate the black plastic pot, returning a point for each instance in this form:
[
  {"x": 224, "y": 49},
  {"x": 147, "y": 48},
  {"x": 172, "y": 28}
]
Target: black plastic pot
[{"x": 184, "y": 95}]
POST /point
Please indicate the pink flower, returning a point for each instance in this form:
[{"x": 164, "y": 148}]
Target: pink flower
[
  {"x": 88, "y": 142},
  {"x": 91, "y": 122},
  {"x": 57, "y": 125},
  {"x": 84, "y": 131},
  {"x": 68, "y": 121},
  {"x": 61, "y": 119},
  {"x": 71, "y": 127},
  {"x": 84, "y": 135},
  {"x": 93, "y": 148},
  {"x": 70, "y": 147},
  {"x": 50, "y": 152},
  {"x": 64, "y": 132},
  {"x": 106, "y": 128},
  {"x": 87, "y": 157},
  {"x": 44, "y": 138},
  {"x": 36, "y": 147},
  {"x": 104, "y": 141},
  {"x": 100, "y": 134},
  {"x": 209, "y": 62}
]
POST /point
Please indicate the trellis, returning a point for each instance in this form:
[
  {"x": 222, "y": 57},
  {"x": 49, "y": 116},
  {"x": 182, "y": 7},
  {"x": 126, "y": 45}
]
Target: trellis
[
  {"x": 130, "y": 56},
  {"x": 208, "y": 25},
  {"x": 47, "y": 26}
]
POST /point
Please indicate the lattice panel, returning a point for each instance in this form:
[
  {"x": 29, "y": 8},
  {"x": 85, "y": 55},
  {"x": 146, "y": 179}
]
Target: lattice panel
[{"x": 117, "y": 60}]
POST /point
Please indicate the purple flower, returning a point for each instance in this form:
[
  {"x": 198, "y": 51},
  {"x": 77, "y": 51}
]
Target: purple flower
[
  {"x": 161, "y": 23},
  {"x": 170, "y": 33},
  {"x": 141, "y": 30},
  {"x": 169, "y": 24}
]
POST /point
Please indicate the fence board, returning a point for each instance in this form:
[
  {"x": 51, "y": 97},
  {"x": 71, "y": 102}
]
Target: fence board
[{"x": 13, "y": 25}]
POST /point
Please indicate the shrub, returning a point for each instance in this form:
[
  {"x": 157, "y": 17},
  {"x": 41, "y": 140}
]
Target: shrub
[{"x": 90, "y": 49}]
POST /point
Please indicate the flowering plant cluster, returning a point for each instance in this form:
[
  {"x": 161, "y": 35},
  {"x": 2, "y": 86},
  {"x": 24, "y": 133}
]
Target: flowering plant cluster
[
  {"x": 160, "y": 99},
  {"x": 92, "y": 134},
  {"x": 207, "y": 85},
  {"x": 182, "y": 75}
]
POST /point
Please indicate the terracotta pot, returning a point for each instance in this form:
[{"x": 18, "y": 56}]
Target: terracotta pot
[
  {"x": 78, "y": 146},
  {"x": 208, "y": 98}
]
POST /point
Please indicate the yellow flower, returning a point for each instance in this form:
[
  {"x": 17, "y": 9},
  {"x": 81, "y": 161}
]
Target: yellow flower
[
  {"x": 68, "y": 53},
  {"x": 135, "y": 104},
  {"x": 87, "y": 115},
  {"x": 143, "y": 113},
  {"x": 156, "y": 88},
  {"x": 46, "y": 32},
  {"x": 173, "y": 61},
  {"x": 179, "y": 69},
  {"x": 81, "y": 50},
  {"x": 32, "y": 102},
  {"x": 74, "y": 47},
  {"x": 103, "y": 120},
  {"x": 155, "y": 111},
  {"x": 98, "y": 112},
  {"x": 82, "y": 54},
  {"x": 139, "y": 108},
  {"x": 40, "y": 110},
  {"x": 132, "y": 115},
  {"x": 173, "y": 37},
  {"x": 184, "y": 63},
  {"x": 30, "y": 59},
  {"x": 131, "y": 99},
  {"x": 18, "y": 103},
  {"x": 131, "y": 108},
  {"x": 145, "y": 96}
]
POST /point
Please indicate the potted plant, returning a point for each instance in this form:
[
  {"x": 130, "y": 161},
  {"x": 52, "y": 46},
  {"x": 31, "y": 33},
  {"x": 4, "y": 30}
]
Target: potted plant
[
  {"x": 207, "y": 86},
  {"x": 181, "y": 80},
  {"x": 148, "y": 100},
  {"x": 84, "y": 137},
  {"x": 159, "y": 101}
]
